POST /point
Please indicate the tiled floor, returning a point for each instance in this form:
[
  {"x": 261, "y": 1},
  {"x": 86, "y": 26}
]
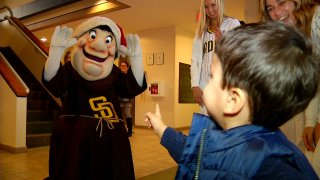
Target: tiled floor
[{"x": 149, "y": 158}]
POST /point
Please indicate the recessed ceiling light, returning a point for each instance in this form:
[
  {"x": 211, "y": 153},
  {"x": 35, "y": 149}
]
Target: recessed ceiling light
[
  {"x": 43, "y": 39},
  {"x": 101, "y": 2}
]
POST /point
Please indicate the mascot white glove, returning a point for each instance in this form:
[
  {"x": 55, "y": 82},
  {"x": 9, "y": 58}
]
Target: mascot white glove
[
  {"x": 60, "y": 41},
  {"x": 134, "y": 54}
]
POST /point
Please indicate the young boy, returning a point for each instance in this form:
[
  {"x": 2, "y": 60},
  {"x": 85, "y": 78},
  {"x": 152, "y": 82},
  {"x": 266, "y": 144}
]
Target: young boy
[{"x": 262, "y": 75}]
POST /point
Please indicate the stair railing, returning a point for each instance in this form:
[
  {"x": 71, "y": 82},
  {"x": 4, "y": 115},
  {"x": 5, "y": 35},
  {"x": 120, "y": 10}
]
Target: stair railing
[
  {"x": 12, "y": 78},
  {"x": 37, "y": 44},
  {"x": 9, "y": 74},
  {"x": 10, "y": 11},
  {"x": 26, "y": 32}
]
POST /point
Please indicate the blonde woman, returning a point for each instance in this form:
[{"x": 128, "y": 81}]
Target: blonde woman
[
  {"x": 305, "y": 15},
  {"x": 211, "y": 26}
]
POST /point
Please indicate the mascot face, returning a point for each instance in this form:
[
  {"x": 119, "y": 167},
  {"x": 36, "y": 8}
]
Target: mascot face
[{"x": 94, "y": 54}]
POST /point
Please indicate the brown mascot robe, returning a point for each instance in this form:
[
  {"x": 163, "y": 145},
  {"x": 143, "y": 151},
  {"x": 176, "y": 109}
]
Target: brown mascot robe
[{"x": 88, "y": 140}]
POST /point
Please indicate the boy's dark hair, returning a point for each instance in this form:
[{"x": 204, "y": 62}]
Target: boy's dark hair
[{"x": 275, "y": 65}]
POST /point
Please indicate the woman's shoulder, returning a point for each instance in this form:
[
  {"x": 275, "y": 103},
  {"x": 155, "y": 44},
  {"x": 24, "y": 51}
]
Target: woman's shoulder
[
  {"x": 316, "y": 10},
  {"x": 316, "y": 17},
  {"x": 229, "y": 23},
  {"x": 228, "y": 19}
]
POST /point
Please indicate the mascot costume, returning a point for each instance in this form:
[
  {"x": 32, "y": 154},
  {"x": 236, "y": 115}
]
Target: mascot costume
[{"x": 89, "y": 140}]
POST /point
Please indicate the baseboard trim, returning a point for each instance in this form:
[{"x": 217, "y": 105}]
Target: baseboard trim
[
  {"x": 13, "y": 150},
  {"x": 178, "y": 129}
]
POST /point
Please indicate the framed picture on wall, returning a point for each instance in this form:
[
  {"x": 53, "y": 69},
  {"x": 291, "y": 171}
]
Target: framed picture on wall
[
  {"x": 149, "y": 58},
  {"x": 159, "y": 58}
]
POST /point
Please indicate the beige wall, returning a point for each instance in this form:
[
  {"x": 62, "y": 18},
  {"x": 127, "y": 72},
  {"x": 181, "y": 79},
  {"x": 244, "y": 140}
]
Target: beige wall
[
  {"x": 232, "y": 9},
  {"x": 13, "y": 114},
  {"x": 251, "y": 11},
  {"x": 245, "y": 10},
  {"x": 153, "y": 41},
  {"x": 176, "y": 43},
  {"x": 183, "y": 112}
]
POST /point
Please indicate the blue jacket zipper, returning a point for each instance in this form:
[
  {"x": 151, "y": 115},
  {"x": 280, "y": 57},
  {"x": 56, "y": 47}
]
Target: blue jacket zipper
[{"x": 199, "y": 158}]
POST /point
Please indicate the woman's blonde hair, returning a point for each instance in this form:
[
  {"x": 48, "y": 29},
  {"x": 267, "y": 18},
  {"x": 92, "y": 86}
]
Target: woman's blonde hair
[
  {"x": 303, "y": 12},
  {"x": 203, "y": 20}
]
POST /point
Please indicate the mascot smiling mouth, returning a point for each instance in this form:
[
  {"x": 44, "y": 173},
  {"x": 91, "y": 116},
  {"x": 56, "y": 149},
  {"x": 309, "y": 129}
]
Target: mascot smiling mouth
[{"x": 92, "y": 57}]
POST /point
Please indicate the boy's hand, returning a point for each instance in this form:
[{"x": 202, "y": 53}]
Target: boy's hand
[{"x": 154, "y": 121}]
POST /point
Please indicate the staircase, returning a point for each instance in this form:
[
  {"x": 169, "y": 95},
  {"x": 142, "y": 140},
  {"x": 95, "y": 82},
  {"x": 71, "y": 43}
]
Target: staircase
[{"x": 42, "y": 110}]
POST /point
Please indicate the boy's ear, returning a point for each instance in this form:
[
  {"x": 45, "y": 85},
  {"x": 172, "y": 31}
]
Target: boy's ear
[{"x": 235, "y": 101}]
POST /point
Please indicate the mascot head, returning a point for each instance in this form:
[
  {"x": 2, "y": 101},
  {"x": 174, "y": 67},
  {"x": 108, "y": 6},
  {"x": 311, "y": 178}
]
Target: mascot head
[{"x": 99, "y": 44}]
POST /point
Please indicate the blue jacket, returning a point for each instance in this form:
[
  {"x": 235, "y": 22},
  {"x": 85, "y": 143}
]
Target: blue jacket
[{"x": 245, "y": 152}]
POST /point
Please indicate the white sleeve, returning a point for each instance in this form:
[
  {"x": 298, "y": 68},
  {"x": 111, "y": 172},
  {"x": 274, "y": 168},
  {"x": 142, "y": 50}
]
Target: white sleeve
[
  {"x": 228, "y": 24},
  {"x": 196, "y": 60},
  {"x": 315, "y": 36}
]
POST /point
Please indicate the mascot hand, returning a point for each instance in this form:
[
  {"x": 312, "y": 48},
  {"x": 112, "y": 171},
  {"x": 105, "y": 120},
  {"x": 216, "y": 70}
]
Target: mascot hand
[
  {"x": 133, "y": 45},
  {"x": 60, "y": 41},
  {"x": 62, "y": 38},
  {"x": 134, "y": 54}
]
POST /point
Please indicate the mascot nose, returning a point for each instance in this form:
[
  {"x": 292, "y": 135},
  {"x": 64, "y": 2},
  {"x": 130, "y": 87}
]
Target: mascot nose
[{"x": 99, "y": 45}]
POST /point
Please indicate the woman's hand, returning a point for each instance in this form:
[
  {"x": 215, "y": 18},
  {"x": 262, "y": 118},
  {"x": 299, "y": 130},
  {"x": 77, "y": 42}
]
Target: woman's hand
[
  {"x": 197, "y": 95},
  {"x": 217, "y": 34},
  {"x": 307, "y": 138},
  {"x": 316, "y": 134}
]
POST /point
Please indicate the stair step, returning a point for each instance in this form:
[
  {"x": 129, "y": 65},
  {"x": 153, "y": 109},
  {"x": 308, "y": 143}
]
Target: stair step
[
  {"x": 37, "y": 94},
  {"x": 42, "y": 110},
  {"x": 42, "y": 115},
  {"x": 41, "y": 104},
  {"x": 39, "y": 127},
  {"x": 37, "y": 140}
]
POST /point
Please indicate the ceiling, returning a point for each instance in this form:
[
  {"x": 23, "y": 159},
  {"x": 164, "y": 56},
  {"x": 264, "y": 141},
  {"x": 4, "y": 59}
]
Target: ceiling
[
  {"x": 149, "y": 14},
  {"x": 139, "y": 15}
]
